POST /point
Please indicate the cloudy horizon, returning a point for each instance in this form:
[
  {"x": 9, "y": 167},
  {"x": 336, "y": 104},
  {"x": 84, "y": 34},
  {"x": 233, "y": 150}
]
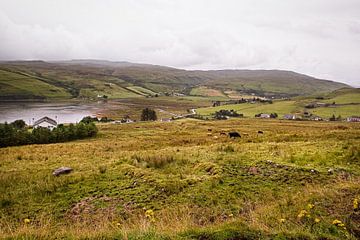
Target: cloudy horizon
[{"x": 318, "y": 38}]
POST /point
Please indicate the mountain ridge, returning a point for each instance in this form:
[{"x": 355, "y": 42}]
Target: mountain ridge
[{"x": 84, "y": 78}]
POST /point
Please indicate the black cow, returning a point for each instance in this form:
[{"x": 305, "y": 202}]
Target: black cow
[
  {"x": 234, "y": 135},
  {"x": 260, "y": 132}
]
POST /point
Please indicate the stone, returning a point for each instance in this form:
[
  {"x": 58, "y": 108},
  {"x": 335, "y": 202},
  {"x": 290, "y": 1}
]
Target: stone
[{"x": 62, "y": 170}]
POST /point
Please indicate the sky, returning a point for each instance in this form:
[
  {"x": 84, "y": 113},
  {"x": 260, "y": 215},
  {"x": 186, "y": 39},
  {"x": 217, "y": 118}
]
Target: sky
[{"x": 320, "y": 38}]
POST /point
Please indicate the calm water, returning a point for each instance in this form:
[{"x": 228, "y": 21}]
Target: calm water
[{"x": 64, "y": 112}]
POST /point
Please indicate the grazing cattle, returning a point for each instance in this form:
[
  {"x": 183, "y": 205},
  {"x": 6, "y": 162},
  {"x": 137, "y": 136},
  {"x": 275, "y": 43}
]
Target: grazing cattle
[
  {"x": 222, "y": 133},
  {"x": 234, "y": 135},
  {"x": 209, "y": 129},
  {"x": 260, "y": 132}
]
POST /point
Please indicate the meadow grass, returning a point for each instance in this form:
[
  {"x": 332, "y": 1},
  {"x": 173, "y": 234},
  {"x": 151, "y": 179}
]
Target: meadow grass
[{"x": 197, "y": 183}]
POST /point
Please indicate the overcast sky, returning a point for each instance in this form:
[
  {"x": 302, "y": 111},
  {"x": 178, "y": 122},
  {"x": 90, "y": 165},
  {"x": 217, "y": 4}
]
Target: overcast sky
[{"x": 315, "y": 37}]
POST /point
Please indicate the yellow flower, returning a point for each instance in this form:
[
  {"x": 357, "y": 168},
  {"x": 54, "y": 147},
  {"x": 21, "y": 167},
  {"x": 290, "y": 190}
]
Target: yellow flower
[
  {"x": 149, "y": 213},
  {"x": 302, "y": 213},
  {"x": 26, "y": 221},
  {"x": 336, "y": 222},
  {"x": 282, "y": 220},
  {"x": 356, "y": 204},
  {"x": 310, "y": 206},
  {"x": 317, "y": 220}
]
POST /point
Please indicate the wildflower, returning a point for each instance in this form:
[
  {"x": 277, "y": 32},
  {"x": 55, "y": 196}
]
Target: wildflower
[
  {"x": 282, "y": 220},
  {"x": 310, "y": 206},
  {"x": 149, "y": 214},
  {"x": 356, "y": 204},
  {"x": 26, "y": 221},
  {"x": 336, "y": 222},
  {"x": 316, "y": 220},
  {"x": 302, "y": 213}
]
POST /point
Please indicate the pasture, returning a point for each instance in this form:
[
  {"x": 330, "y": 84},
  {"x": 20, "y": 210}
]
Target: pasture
[{"x": 184, "y": 180}]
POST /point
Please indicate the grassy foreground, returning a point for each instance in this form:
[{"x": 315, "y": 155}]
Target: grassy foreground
[{"x": 184, "y": 180}]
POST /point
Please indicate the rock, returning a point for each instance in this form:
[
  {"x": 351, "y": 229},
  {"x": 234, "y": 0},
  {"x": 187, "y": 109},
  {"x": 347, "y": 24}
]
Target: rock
[
  {"x": 331, "y": 171},
  {"x": 253, "y": 170},
  {"x": 62, "y": 170}
]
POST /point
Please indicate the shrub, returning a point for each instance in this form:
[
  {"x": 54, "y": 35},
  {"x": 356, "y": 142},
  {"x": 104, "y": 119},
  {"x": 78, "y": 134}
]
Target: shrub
[{"x": 13, "y": 135}]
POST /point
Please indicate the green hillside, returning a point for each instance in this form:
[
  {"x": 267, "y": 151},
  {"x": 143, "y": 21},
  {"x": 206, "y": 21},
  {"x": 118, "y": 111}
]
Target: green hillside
[
  {"x": 344, "y": 102},
  {"x": 90, "y": 78},
  {"x": 18, "y": 86}
]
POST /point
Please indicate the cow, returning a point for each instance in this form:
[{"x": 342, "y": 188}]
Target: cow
[
  {"x": 222, "y": 133},
  {"x": 260, "y": 132},
  {"x": 234, "y": 135}
]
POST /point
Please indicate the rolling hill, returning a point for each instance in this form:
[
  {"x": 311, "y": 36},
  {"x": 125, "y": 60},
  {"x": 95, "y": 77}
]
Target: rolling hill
[{"x": 92, "y": 78}]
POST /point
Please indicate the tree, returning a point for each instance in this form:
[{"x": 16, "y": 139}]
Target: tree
[
  {"x": 19, "y": 124},
  {"x": 148, "y": 115}
]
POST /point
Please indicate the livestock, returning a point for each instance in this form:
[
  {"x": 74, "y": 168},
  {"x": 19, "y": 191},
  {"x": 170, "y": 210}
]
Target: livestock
[
  {"x": 260, "y": 132},
  {"x": 234, "y": 135}
]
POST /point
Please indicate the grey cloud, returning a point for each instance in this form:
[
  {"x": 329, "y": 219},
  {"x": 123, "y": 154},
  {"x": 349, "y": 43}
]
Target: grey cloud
[{"x": 318, "y": 37}]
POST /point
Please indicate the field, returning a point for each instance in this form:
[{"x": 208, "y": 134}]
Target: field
[
  {"x": 17, "y": 86},
  {"x": 207, "y": 92},
  {"x": 185, "y": 180},
  {"x": 347, "y": 103}
]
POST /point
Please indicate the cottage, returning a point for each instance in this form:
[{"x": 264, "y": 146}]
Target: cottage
[
  {"x": 166, "y": 119},
  {"x": 353, "y": 119},
  {"x": 316, "y": 118},
  {"x": 289, "y": 116},
  {"x": 264, "y": 115},
  {"x": 45, "y": 122}
]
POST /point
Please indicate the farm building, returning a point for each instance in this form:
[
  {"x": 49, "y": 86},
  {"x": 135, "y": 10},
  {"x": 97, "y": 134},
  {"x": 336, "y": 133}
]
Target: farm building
[
  {"x": 353, "y": 119},
  {"x": 166, "y": 119},
  {"x": 290, "y": 117},
  {"x": 45, "y": 122}
]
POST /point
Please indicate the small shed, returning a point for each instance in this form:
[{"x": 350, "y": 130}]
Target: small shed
[{"x": 45, "y": 122}]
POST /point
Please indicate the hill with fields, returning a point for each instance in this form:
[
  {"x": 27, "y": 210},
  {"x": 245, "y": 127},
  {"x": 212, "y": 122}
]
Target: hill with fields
[
  {"x": 91, "y": 79},
  {"x": 343, "y": 102}
]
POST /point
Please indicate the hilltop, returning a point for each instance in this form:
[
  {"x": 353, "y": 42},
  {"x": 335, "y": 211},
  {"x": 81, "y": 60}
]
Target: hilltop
[{"x": 94, "y": 78}]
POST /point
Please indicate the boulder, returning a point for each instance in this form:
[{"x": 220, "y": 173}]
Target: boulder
[{"x": 62, "y": 170}]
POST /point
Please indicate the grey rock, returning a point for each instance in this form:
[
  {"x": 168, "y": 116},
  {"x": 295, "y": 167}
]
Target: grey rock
[{"x": 62, "y": 170}]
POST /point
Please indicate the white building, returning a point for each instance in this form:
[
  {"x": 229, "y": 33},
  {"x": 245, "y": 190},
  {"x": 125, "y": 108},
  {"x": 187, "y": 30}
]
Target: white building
[{"x": 45, "y": 122}]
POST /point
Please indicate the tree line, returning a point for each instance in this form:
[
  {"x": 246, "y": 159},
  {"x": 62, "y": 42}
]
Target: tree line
[{"x": 16, "y": 133}]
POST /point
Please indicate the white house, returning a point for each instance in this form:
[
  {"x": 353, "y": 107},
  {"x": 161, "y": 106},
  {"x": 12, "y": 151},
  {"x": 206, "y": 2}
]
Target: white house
[
  {"x": 264, "y": 115},
  {"x": 353, "y": 119},
  {"x": 166, "y": 119},
  {"x": 45, "y": 122}
]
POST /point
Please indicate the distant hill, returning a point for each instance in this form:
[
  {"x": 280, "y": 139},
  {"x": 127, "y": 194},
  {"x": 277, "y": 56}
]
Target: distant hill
[{"x": 93, "y": 78}]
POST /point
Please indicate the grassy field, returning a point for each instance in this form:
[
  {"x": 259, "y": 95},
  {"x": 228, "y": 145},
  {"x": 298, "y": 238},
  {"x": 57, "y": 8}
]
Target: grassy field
[
  {"x": 184, "y": 180},
  {"x": 207, "y": 92},
  {"x": 17, "y": 86},
  {"x": 347, "y": 103}
]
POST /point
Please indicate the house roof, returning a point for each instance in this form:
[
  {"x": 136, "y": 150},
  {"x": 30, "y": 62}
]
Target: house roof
[{"x": 45, "y": 119}]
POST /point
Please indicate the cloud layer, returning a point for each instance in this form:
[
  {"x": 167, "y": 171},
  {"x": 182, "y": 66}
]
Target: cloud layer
[{"x": 318, "y": 37}]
